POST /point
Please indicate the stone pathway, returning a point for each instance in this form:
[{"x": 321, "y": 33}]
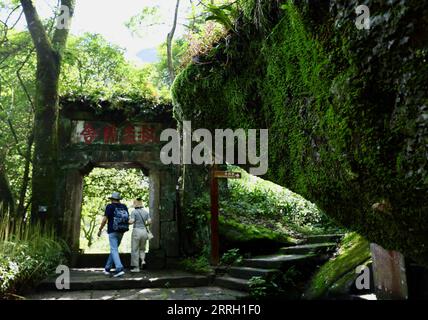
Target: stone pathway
[
  {"x": 94, "y": 279},
  {"x": 306, "y": 257},
  {"x": 167, "y": 284},
  {"x": 198, "y": 293},
  {"x": 92, "y": 284}
]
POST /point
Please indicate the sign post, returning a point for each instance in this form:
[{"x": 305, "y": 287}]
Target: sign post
[{"x": 215, "y": 242}]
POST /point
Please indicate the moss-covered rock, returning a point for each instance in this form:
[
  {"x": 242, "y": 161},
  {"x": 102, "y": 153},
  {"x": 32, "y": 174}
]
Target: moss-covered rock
[
  {"x": 346, "y": 109},
  {"x": 337, "y": 276},
  {"x": 250, "y": 238}
]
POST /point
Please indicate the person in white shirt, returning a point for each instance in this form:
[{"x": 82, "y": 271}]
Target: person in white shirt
[{"x": 140, "y": 219}]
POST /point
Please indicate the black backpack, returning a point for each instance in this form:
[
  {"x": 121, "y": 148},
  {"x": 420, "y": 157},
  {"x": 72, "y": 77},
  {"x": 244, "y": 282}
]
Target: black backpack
[{"x": 120, "y": 218}]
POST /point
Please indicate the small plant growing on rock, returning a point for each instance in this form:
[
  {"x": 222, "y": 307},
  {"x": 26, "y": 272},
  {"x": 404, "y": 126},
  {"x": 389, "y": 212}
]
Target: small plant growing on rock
[
  {"x": 259, "y": 288},
  {"x": 230, "y": 257}
]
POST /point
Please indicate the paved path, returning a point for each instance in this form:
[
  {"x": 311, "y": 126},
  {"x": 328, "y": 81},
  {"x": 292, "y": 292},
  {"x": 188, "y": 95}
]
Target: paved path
[
  {"x": 198, "y": 293},
  {"x": 88, "y": 284}
]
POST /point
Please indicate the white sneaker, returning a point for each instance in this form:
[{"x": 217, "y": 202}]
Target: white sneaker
[
  {"x": 107, "y": 273},
  {"x": 135, "y": 270},
  {"x": 119, "y": 274}
]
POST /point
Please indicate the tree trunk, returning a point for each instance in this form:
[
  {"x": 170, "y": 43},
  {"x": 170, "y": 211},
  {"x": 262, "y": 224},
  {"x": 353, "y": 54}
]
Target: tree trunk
[
  {"x": 45, "y": 139},
  {"x": 44, "y": 183},
  {"x": 26, "y": 177},
  {"x": 169, "y": 39},
  {"x": 7, "y": 201}
]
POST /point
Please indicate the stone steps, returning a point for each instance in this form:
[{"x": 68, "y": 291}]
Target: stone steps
[
  {"x": 306, "y": 258},
  {"x": 248, "y": 273},
  {"x": 155, "y": 260},
  {"x": 91, "y": 279},
  {"x": 280, "y": 261},
  {"x": 237, "y": 277},
  {"x": 323, "y": 238},
  {"x": 326, "y": 247},
  {"x": 232, "y": 283}
]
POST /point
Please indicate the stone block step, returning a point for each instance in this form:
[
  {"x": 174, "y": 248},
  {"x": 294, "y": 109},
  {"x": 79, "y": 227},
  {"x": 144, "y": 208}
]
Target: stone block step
[
  {"x": 281, "y": 261},
  {"x": 326, "y": 247},
  {"x": 248, "y": 273},
  {"x": 155, "y": 260},
  {"x": 323, "y": 238},
  {"x": 232, "y": 283},
  {"x": 90, "y": 279}
]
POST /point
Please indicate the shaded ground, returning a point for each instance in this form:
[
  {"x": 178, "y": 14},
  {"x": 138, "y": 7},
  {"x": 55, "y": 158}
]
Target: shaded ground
[
  {"x": 87, "y": 284},
  {"x": 94, "y": 279},
  {"x": 198, "y": 293}
]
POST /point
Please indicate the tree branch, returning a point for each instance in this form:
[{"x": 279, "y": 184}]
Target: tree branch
[
  {"x": 59, "y": 38},
  {"x": 37, "y": 30},
  {"x": 21, "y": 82},
  {"x": 169, "y": 44}
]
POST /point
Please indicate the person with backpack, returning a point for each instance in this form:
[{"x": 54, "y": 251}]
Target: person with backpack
[
  {"x": 116, "y": 217},
  {"x": 140, "y": 218}
]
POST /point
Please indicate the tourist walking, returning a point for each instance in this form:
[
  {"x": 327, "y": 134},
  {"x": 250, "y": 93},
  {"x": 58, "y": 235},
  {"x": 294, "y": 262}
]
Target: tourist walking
[
  {"x": 141, "y": 220},
  {"x": 116, "y": 217}
]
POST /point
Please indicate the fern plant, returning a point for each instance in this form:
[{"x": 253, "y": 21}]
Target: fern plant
[{"x": 224, "y": 15}]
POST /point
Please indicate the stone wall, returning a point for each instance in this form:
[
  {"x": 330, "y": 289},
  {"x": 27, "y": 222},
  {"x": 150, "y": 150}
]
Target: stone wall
[{"x": 77, "y": 157}]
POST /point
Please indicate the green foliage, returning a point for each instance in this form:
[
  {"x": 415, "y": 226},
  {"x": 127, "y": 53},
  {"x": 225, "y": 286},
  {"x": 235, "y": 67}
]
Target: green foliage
[
  {"x": 261, "y": 199},
  {"x": 197, "y": 221},
  {"x": 16, "y": 115},
  {"x": 263, "y": 288},
  {"x": 284, "y": 285},
  {"x": 161, "y": 77},
  {"x": 224, "y": 14},
  {"x": 236, "y": 231},
  {"x": 353, "y": 252},
  {"x": 254, "y": 210},
  {"x": 231, "y": 256},
  {"x": 28, "y": 253},
  {"x": 97, "y": 69},
  {"x": 199, "y": 263},
  {"x": 97, "y": 187},
  {"x": 201, "y": 43},
  {"x": 138, "y": 24},
  {"x": 258, "y": 287},
  {"x": 93, "y": 70}
]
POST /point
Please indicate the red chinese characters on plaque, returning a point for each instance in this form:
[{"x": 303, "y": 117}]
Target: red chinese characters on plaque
[
  {"x": 110, "y": 134},
  {"x": 146, "y": 134},
  {"x": 129, "y": 135},
  {"x": 91, "y": 132}
]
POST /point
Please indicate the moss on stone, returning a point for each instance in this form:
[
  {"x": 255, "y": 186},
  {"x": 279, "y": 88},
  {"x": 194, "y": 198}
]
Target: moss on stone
[
  {"x": 233, "y": 231},
  {"x": 335, "y": 275},
  {"x": 345, "y": 108}
]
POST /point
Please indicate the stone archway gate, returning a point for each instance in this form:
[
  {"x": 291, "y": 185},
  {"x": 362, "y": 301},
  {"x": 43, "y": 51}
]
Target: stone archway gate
[{"x": 126, "y": 137}]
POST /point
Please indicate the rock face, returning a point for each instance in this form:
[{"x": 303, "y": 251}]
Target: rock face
[{"x": 346, "y": 109}]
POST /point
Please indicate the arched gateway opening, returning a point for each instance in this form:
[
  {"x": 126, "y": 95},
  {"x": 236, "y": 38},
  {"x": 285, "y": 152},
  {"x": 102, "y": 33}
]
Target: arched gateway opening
[
  {"x": 117, "y": 138},
  {"x": 132, "y": 182}
]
